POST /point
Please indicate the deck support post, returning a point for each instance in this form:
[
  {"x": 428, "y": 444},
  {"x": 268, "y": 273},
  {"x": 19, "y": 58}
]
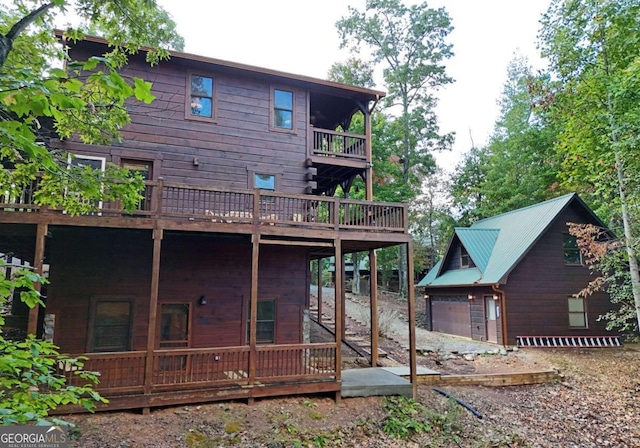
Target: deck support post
[
  {"x": 38, "y": 263},
  {"x": 412, "y": 320},
  {"x": 158, "y": 234},
  {"x": 320, "y": 290},
  {"x": 338, "y": 307},
  {"x": 343, "y": 298},
  {"x": 373, "y": 296},
  {"x": 253, "y": 307},
  {"x": 368, "y": 178}
]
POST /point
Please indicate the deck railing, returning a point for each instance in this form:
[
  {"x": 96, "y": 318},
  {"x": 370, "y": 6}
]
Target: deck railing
[
  {"x": 124, "y": 372},
  {"x": 328, "y": 143},
  {"x": 223, "y": 205}
]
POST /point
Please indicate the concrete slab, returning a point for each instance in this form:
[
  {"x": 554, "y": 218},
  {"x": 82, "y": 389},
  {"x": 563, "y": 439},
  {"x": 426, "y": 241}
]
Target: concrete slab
[
  {"x": 406, "y": 371},
  {"x": 373, "y": 381}
]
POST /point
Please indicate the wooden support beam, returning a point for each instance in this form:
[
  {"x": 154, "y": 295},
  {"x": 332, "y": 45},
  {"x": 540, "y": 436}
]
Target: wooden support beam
[
  {"x": 253, "y": 307},
  {"x": 320, "y": 291},
  {"x": 343, "y": 298},
  {"x": 368, "y": 154},
  {"x": 498, "y": 379},
  {"x": 338, "y": 306},
  {"x": 295, "y": 243},
  {"x": 373, "y": 296},
  {"x": 412, "y": 320},
  {"x": 153, "y": 308},
  {"x": 38, "y": 263}
]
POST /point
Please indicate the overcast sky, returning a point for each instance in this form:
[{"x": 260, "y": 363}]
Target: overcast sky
[{"x": 299, "y": 36}]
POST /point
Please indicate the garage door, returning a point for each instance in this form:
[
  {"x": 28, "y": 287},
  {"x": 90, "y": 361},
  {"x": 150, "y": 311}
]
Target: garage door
[{"x": 451, "y": 316}]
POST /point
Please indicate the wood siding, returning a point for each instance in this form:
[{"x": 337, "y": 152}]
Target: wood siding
[
  {"x": 228, "y": 150},
  {"x": 477, "y": 317},
  {"x": 537, "y": 289},
  {"x": 94, "y": 263},
  {"x": 88, "y": 263}
]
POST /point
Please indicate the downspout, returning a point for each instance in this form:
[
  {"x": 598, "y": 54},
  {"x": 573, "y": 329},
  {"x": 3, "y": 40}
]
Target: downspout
[{"x": 503, "y": 314}]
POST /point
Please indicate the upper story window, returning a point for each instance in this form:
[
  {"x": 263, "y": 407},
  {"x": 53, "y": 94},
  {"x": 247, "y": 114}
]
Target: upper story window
[
  {"x": 282, "y": 110},
  {"x": 465, "y": 259},
  {"x": 200, "y": 97},
  {"x": 571, "y": 250}
]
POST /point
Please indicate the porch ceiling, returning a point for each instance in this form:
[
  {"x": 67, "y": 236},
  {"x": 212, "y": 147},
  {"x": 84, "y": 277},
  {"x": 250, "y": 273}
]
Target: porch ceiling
[
  {"x": 18, "y": 240},
  {"x": 328, "y": 176}
]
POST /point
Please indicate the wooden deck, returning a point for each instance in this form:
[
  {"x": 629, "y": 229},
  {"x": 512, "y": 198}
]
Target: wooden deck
[
  {"x": 176, "y": 376},
  {"x": 212, "y": 207}
]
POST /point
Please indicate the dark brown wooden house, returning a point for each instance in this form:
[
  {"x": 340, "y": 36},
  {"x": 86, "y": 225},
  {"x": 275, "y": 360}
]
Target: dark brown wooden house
[
  {"x": 511, "y": 279},
  {"x": 203, "y": 292}
]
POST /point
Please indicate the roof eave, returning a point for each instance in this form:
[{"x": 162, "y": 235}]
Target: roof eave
[{"x": 369, "y": 94}]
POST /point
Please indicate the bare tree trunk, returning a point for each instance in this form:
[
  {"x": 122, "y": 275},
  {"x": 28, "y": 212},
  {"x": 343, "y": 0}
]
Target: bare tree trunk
[
  {"x": 355, "y": 284},
  {"x": 629, "y": 239}
]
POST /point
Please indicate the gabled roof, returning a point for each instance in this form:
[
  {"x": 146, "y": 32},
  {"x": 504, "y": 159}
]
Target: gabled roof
[
  {"x": 497, "y": 244},
  {"x": 479, "y": 243},
  {"x": 236, "y": 68}
]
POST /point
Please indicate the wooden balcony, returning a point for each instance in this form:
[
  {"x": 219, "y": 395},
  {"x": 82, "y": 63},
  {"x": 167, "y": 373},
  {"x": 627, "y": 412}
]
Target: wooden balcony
[
  {"x": 336, "y": 144},
  {"x": 210, "y": 205},
  {"x": 227, "y": 371}
]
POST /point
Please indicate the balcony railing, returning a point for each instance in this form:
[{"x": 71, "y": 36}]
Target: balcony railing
[
  {"x": 327, "y": 143},
  {"x": 220, "y": 205},
  {"x": 124, "y": 372}
]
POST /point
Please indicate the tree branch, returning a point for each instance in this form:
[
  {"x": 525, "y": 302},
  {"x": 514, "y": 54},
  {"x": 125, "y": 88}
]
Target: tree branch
[{"x": 6, "y": 41}]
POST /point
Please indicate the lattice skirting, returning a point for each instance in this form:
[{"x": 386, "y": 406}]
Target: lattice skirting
[{"x": 568, "y": 341}]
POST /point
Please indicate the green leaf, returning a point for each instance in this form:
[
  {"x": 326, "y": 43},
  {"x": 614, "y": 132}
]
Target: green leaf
[{"x": 143, "y": 90}]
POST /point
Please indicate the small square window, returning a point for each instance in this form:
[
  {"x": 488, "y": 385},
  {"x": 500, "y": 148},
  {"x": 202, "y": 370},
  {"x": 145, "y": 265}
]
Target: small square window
[
  {"x": 283, "y": 110},
  {"x": 571, "y": 250},
  {"x": 577, "y": 312},
  {"x": 200, "y": 97},
  {"x": 265, "y": 181}
]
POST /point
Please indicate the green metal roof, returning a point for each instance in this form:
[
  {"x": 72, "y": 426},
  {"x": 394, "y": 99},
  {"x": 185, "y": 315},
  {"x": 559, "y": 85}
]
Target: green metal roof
[
  {"x": 479, "y": 243},
  {"x": 497, "y": 244}
]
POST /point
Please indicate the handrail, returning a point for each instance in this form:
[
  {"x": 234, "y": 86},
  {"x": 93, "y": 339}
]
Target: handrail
[{"x": 171, "y": 200}]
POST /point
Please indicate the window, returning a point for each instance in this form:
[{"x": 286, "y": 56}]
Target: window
[
  {"x": 570, "y": 249},
  {"x": 577, "y": 312},
  {"x": 92, "y": 162},
  {"x": 283, "y": 113},
  {"x": 465, "y": 259},
  {"x": 144, "y": 168},
  {"x": 110, "y": 326},
  {"x": 174, "y": 325},
  {"x": 200, "y": 97},
  {"x": 264, "y": 181},
  {"x": 95, "y": 163},
  {"x": 266, "y": 322}
]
